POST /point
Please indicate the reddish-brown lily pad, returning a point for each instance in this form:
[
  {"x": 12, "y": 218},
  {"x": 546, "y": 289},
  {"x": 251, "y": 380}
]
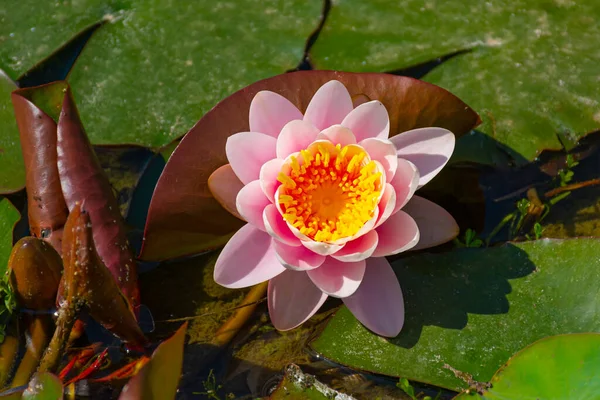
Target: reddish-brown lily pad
[{"x": 184, "y": 218}]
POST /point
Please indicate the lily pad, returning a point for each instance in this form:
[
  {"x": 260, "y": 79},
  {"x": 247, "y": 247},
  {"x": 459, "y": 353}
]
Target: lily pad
[
  {"x": 31, "y": 30},
  {"x": 147, "y": 76},
  {"x": 472, "y": 309},
  {"x": 554, "y": 368},
  {"x": 184, "y": 218},
  {"x": 12, "y": 169},
  {"x": 527, "y": 73},
  {"x": 8, "y": 218}
]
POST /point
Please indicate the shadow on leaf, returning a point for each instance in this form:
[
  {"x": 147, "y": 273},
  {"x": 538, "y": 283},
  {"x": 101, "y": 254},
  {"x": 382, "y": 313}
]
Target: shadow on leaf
[{"x": 444, "y": 295}]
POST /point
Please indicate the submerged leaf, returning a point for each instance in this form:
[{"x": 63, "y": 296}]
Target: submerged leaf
[
  {"x": 44, "y": 386},
  {"x": 159, "y": 378},
  {"x": 184, "y": 218}
]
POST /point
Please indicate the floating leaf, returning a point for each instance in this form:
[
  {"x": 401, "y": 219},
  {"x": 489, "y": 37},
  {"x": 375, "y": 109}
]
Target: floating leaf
[
  {"x": 184, "y": 218},
  {"x": 473, "y": 308},
  {"x": 528, "y": 71},
  {"x": 44, "y": 386},
  {"x": 30, "y": 30},
  {"x": 8, "y": 218},
  {"x": 12, "y": 171},
  {"x": 176, "y": 60},
  {"x": 557, "y": 367},
  {"x": 159, "y": 378}
]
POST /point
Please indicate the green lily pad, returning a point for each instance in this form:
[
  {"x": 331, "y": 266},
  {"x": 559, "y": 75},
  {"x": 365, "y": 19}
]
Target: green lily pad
[
  {"x": 554, "y": 368},
  {"x": 471, "y": 309},
  {"x": 528, "y": 72},
  {"x": 8, "y": 218},
  {"x": 147, "y": 76},
  {"x": 31, "y": 30},
  {"x": 12, "y": 169}
]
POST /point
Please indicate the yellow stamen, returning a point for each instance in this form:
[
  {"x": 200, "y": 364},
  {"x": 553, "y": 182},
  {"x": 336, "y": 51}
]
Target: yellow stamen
[{"x": 329, "y": 192}]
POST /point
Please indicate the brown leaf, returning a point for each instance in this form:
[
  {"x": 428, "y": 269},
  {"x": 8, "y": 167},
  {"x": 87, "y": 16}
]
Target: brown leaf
[
  {"x": 88, "y": 284},
  {"x": 83, "y": 180},
  {"x": 34, "y": 270},
  {"x": 184, "y": 218},
  {"x": 46, "y": 205}
]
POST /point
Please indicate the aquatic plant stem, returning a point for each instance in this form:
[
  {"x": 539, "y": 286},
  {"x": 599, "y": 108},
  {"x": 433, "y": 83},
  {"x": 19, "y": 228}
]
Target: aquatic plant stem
[
  {"x": 573, "y": 186},
  {"x": 39, "y": 330},
  {"x": 66, "y": 319},
  {"x": 241, "y": 315}
]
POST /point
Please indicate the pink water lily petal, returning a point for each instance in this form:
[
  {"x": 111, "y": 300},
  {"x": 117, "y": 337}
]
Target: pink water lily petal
[
  {"x": 225, "y": 186},
  {"x": 269, "y": 112},
  {"x": 378, "y": 303},
  {"x": 247, "y": 152},
  {"x": 268, "y": 177},
  {"x": 384, "y": 151},
  {"x": 337, "y": 278},
  {"x": 436, "y": 225},
  {"x": 277, "y": 227},
  {"x": 251, "y": 202},
  {"x": 399, "y": 233},
  {"x": 338, "y": 134},
  {"x": 329, "y": 106},
  {"x": 369, "y": 120},
  {"x": 297, "y": 258},
  {"x": 428, "y": 148},
  {"x": 387, "y": 204},
  {"x": 405, "y": 182},
  {"x": 358, "y": 249},
  {"x": 324, "y": 249},
  {"x": 292, "y": 299},
  {"x": 247, "y": 259},
  {"x": 295, "y": 136}
]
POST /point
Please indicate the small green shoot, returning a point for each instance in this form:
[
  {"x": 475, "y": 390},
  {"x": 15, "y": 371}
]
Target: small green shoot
[
  {"x": 407, "y": 388},
  {"x": 470, "y": 240},
  {"x": 7, "y": 305},
  {"x": 211, "y": 388}
]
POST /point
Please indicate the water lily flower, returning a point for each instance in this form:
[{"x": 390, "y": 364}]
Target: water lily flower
[{"x": 326, "y": 196}]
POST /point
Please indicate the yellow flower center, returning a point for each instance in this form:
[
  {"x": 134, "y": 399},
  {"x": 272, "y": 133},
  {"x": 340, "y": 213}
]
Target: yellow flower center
[{"x": 329, "y": 192}]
